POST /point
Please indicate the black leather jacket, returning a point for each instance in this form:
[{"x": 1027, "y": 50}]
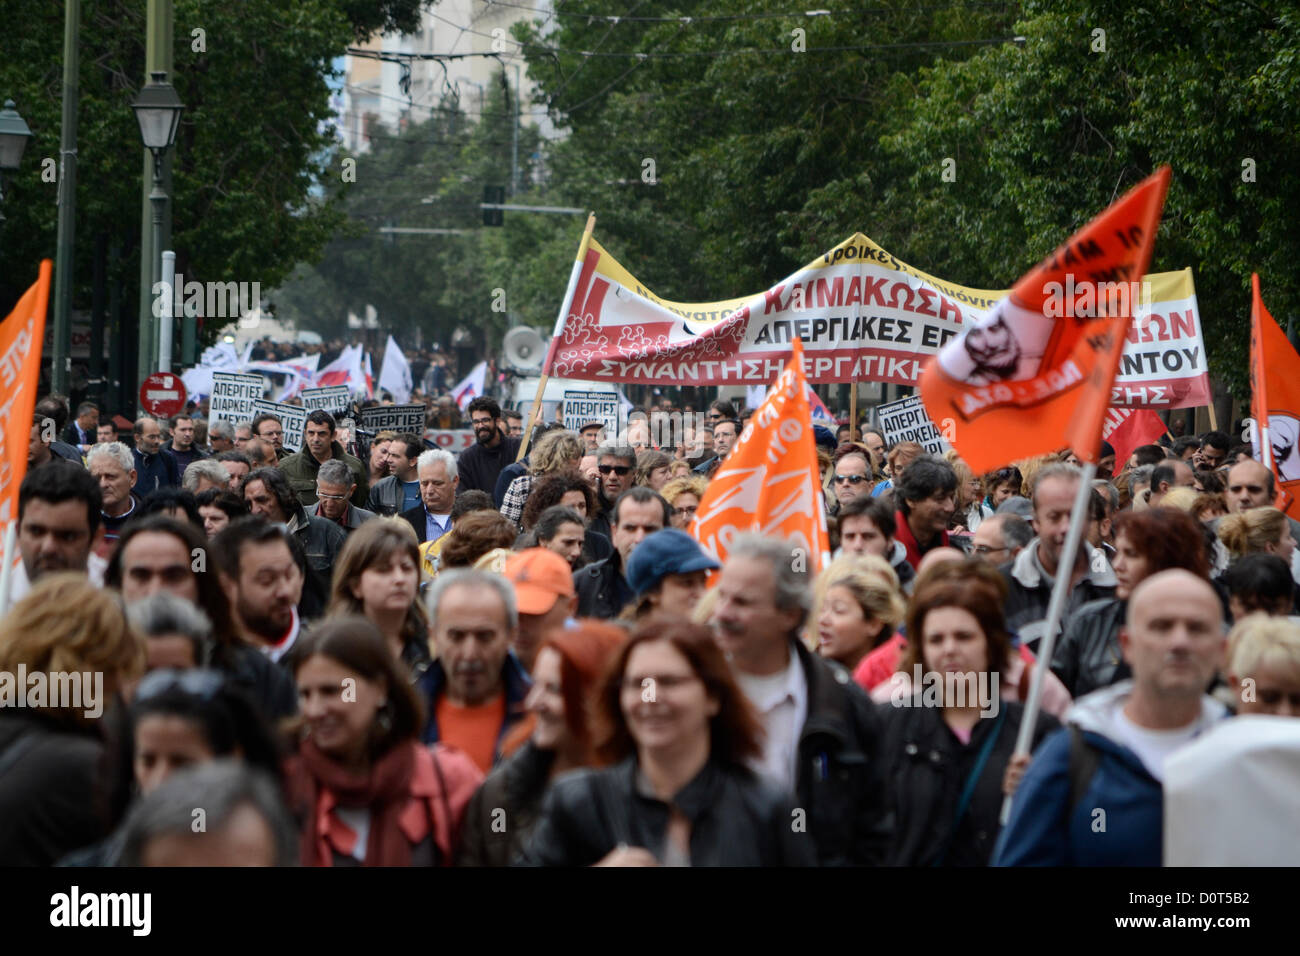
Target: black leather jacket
[
  {"x": 1089, "y": 656},
  {"x": 503, "y": 811},
  {"x": 840, "y": 776},
  {"x": 736, "y": 819}
]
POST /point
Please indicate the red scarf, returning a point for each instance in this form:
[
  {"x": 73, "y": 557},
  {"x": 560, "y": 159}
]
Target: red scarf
[
  {"x": 397, "y": 790},
  {"x": 903, "y": 533}
]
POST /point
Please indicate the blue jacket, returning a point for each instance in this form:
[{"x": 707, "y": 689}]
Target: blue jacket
[
  {"x": 433, "y": 682},
  {"x": 1043, "y": 832},
  {"x": 154, "y": 471}
]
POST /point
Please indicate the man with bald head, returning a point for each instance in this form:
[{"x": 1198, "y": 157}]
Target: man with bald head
[
  {"x": 1250, "y": 485},
  {"x": 1113, "y": 750}
]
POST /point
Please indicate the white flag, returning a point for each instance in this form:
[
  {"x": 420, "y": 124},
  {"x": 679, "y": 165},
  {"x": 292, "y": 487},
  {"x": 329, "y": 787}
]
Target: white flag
[
  {"x": 471, "y": 386},
  {"x": 396, "y": 373}
]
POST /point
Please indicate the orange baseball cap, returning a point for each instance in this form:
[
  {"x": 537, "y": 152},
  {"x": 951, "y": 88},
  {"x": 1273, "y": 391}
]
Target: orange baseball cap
[{"x": 541, "y": 577}]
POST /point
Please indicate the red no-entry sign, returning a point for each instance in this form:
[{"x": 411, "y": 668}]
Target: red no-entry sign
[{"x": 163, "y": 394}]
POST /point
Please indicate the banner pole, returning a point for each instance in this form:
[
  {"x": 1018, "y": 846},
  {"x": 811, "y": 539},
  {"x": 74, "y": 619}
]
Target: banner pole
[
  {"x": 555, "y": 337},
  {"x": 1214, "y": 419},
  {"x": 1060, "y": 588},
  {"x": 853, "y": 410}
]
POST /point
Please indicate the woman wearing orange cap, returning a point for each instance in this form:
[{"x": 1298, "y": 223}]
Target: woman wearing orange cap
[{"x": 555, "y": 737}]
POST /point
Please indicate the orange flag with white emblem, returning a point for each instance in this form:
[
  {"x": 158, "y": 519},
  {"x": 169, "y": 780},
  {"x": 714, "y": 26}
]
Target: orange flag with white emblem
[
  {"x": 770, "y": 482},
  {"x": 1035, "y": 374},
  {"x": 1275, "y": 402}
]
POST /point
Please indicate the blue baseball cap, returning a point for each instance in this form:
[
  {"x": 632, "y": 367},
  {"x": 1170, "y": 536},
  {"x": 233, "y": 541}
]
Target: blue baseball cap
[{"x": 665, "y": 552}]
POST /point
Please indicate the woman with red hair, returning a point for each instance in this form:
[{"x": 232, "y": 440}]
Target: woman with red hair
[
  {"x": 680, "y": 732},
  {"x": 555, "y": 737}
]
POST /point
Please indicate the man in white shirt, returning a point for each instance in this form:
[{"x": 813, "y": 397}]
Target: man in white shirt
[
  {"x": 822, "y": 731},
  {"x": 58, "y": 524}
]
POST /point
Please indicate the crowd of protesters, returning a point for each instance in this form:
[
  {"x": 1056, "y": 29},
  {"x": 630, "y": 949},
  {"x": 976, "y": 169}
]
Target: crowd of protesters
[{"x": 380, "y": 654}]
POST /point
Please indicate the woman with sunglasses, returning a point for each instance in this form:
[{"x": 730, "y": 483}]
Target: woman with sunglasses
[
  {"x": 679, "y": 732},
  {"x": 180, "y": 718},
  {"x": 367, "y": 791}
]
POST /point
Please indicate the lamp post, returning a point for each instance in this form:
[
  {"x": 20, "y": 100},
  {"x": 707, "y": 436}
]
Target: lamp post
[
  {"x": 14, "y": 135},
  {"x": 158, "y": 111}
]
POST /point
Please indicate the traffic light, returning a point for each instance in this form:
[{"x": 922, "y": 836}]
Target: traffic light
[{"x": 495, "y": 195}]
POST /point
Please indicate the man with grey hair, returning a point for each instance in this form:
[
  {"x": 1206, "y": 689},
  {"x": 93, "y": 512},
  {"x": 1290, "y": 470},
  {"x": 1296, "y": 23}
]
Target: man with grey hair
[
  {"x": 221, "y": 436},
  {"x": 245, "y": 822},
  {"x": 439, "y": 478},
  {"x": 335, "y": 485},
  {"x": 1001, "y": 538},
  {"x": 204, "y": 474},
  {"x": 113, "y": 466},
  {"x": 823, "y": 735},
  {"x": 1031, "y": 576},
  {"x": 1139, "y": 487},
  {"x": 616, "y": 465},
  {"x": 475, "y": 688},
  {"x": 177, "y": 633}
]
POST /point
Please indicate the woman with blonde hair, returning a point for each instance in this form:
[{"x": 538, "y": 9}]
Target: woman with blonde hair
[
  {"x": 683, "y": 496},
  {"x": 1264, "y": 665},
  {"x": 377, "y": 575},
  {"x": 1257, "y": 531},
  {"x": 556, "y": 451},
  {"x": 970, "y": 510},
  {"x": 857, "y": 607},
  {"x": 71, "y": 652}
]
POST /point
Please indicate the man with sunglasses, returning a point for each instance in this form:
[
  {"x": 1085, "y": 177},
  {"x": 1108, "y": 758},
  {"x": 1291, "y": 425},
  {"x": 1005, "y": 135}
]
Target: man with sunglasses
[
  {"x": 480, "y": 465},
  {"x": 852, "y": 479},
  {"x": 616, "y": 464}
]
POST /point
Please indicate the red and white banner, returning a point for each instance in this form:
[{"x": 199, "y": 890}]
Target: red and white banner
[{"x": 861, "y": 314}]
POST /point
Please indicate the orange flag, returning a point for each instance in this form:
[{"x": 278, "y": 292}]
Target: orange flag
[
  {"x": 1275, "y": 401},
  {"x": 770, "y": 482},
  {"x": 1035, "y": 374},
  {"x": 21, "y": 337}
]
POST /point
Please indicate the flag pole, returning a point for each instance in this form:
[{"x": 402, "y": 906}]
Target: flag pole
[
  {"x": 1055, "y": 607},
  {"x": 555, "y": 336},
  {"x": 7, "y": 572}
]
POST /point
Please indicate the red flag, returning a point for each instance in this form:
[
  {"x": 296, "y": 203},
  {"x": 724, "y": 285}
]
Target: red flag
[
  {"x": 1036, "y": 373},
  {"x": 1129, "y": 428},
  {"x": 769, "y": 482},
  {"x": 1275, "y": 401}
]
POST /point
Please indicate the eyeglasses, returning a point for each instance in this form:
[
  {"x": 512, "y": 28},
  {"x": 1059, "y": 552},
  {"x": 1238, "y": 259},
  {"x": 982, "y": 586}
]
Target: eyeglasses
[
  {"x": 324, "y": 497},
  {"x": 982, "y": 549},
  {"x": 619, "y": 470},
  {"x": 713, "y": 416},
  {"x": 684, "y": 511},
  {"x": 204, "y": 684},
  {"x": 851, "y": 479},
  {"x": 480, "y": 422}
]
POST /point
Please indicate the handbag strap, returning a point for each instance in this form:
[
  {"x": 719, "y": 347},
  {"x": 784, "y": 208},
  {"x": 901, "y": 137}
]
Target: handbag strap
[{"x": 968, "y": 791}]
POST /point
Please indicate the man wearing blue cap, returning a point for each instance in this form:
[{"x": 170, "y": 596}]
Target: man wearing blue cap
[{"x": 669, "y": 570}]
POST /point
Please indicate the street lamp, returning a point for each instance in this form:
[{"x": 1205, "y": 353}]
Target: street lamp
[
  {"x": 158, "y": 111},
  {"x": 14, "y": 135}
]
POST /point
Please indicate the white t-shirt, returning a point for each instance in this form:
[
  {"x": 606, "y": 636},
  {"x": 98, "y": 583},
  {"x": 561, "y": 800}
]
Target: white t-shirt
[
  {"x": 1153, "y": 747},
  {"x": 782, "y": 703}
]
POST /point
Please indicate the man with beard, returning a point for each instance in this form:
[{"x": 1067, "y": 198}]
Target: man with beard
[
  {"x": 58, "y": 522},
  {"x": 481, "y": 463},
  {"x": 262, "y": 581},
  {"x": 474, "y": 690}
]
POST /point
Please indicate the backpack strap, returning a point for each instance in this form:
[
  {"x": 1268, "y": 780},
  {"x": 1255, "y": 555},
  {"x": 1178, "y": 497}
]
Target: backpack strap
[{"x": 1084, "y": 758}]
